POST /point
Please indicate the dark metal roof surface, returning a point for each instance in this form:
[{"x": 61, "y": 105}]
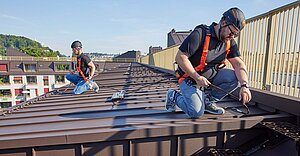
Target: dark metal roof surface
[{"x": 92, "y": 117}]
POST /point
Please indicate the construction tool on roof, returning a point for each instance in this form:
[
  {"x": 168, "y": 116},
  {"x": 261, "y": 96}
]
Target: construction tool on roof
[
  {"x": 118, "y": 95},
  {"x": 234, "y": 97}
]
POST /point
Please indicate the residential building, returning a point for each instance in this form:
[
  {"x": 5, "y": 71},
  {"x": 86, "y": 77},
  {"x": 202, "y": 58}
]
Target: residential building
[
  {"x": 175, "y": 38},
  {"x": 153, "y": 50},
  {"x": 129, "y": 55},
  {"x": 23, "y": 80}
]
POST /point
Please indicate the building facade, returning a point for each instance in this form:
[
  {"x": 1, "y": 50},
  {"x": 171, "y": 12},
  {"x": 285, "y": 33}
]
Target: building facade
[
  {"x": 153, "y": 50},
  {"x": 23, "y": 80},
  {"x": 176, "y": 37}
]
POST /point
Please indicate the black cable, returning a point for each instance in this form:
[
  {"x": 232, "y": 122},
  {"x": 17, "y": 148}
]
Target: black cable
[{"x": 234, "y": 97}]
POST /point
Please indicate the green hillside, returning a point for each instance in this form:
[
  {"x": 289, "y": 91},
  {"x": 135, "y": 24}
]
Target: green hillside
[{"x": 25, "y": 45}]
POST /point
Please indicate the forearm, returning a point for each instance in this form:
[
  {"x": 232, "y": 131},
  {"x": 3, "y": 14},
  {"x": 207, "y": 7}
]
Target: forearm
[
  {"x": 92, "y": 71},
  {"x": 241, "y": 73},
  {"x": 184, "y": 63},
  {"x": 93, "y": 68}
]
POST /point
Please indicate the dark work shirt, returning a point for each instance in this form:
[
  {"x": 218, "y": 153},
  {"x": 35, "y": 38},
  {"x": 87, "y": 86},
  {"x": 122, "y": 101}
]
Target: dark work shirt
[
  {"x": 85, "y": 68},
  {"x": 193, "y": 47}
]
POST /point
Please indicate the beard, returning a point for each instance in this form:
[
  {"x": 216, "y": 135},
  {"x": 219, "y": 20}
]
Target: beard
[{"x": 222, "y": 36}]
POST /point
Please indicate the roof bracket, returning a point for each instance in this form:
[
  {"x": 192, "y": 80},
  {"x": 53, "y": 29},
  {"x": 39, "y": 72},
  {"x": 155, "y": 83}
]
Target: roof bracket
[{"x": 118, "y": 95}]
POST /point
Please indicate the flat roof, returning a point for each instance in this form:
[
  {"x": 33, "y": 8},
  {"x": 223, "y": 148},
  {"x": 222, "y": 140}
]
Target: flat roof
[{"x": 59, "y": 119}]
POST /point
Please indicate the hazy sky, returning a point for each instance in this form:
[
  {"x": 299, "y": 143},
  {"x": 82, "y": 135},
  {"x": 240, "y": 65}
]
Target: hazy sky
[{"x": 115, "y": 26}]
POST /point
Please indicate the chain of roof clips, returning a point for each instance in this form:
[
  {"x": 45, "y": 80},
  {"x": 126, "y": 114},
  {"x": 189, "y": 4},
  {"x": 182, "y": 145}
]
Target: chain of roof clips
[{"x": 116, "y": 97}]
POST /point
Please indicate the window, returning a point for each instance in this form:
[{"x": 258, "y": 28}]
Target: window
[
  {"x": 46, "y": 81},
  {"x": 30, "y": 68},
  {"x": 18, "y": 92},
  {"x": 5, "y": 104},
  {"x": 62, "y": 67},
  {"x": 5, "y": 93},
  {"x": 3, "y": 67},
  {"x": 59, "y": 79},
  {"x": 18, "y": 80},
  {"x": 4, "y": 79},
  {"x": 31, "y": 80},
  {"x": 19, "y": 102},
  {"x": 46, "y": 90}
]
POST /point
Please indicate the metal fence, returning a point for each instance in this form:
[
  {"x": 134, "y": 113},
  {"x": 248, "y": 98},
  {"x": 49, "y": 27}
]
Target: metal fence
[
  {"x": 29, "y": 58},
  {"x": 269, "y": 45}
]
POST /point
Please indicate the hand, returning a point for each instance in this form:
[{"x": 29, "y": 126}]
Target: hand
[
  {"x": 202, "y": 82},
  {"x": 90, "y": 77},
  {"x": 245, "y": 95}
]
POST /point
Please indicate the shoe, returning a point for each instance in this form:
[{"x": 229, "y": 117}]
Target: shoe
[
  {"x": 170, "y": 101},
  {"x": 95, "y": 87},
  {"x": 211, "y": 107}
]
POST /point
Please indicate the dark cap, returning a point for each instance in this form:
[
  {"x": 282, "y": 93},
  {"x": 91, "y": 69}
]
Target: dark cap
[
  {"x": 76, "y": 44},
  {"x": 236, "y": 17}
]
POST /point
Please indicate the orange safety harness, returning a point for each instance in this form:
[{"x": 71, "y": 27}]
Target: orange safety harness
[
  {"x": 80, "y": 71},
  {"x": 203, "y": 63}
]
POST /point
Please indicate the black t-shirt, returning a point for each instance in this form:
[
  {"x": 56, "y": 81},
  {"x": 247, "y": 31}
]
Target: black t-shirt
[
  {"x": 85, "y": 68},
  {"x": 193, "y": 47}
]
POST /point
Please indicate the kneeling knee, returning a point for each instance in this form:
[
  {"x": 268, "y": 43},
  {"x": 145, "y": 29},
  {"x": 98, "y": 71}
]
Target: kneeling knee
[{"x": 68, "y": 76}]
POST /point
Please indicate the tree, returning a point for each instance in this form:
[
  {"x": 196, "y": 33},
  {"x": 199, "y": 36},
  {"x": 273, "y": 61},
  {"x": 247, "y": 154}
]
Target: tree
[
  {"x": 26, "y": 45},
  {"x": 2, "y": 51}
]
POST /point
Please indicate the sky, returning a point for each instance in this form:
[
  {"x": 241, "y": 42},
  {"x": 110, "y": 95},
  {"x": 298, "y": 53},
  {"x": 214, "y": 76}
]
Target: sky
[{"x": 115, "y": 26}]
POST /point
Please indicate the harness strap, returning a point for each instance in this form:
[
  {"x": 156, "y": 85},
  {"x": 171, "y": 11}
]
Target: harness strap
[
  {"x": 203, "y": 63},
  {"x": 80, "y": 71},
  {"x": 227, "y": 51}
]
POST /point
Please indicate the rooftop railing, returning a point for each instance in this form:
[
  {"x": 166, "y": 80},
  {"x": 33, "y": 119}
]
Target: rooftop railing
[
  {"x": 269, "y": 45},
  {"x": 26, "y": 58}
]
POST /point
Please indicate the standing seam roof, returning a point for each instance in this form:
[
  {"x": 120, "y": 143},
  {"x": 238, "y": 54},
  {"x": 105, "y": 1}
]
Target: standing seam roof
[{"x": 62, "y": 118}]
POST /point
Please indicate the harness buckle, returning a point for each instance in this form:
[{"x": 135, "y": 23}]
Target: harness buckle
[{"x": 220, "y": 66}]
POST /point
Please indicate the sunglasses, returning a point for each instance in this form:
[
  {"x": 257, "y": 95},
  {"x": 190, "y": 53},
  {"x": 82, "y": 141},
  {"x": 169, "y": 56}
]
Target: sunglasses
[
  {"x": 77, "y": 48},
  {"x": 232, "y": 33}
]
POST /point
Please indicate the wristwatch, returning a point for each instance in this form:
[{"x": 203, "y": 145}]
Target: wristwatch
[{"x": 244, "y": 85}]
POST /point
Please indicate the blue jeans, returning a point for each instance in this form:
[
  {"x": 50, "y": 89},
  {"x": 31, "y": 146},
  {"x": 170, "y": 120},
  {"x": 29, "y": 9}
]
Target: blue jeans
[
  {"x": 191, "y": 99},
  {"x": 81, "y": 85}
]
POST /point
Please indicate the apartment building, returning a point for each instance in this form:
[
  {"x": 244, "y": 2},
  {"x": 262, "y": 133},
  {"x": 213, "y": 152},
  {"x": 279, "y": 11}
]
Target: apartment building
[{"x": 23, "y": 80}]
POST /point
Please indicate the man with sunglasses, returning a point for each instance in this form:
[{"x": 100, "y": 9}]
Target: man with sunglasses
[
  {"x": 201, "y": 58},
  {"x": 86, "y": 70}
]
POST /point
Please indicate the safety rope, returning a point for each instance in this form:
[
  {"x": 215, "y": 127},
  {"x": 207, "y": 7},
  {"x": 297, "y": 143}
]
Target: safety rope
[{"x": 235, "y": 98}]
